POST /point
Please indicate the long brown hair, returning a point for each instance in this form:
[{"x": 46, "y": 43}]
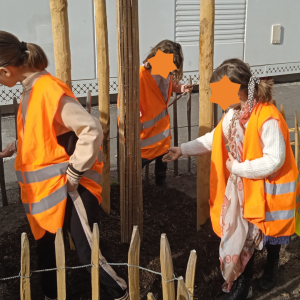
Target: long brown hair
[
  {"x": 168, "y": 46},
  {"x": 239, "y": 72},
  {"x": 14, "y": 53}
]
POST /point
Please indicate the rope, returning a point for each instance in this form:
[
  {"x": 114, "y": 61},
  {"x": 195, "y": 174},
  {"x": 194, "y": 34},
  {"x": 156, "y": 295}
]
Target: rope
[{"x": 92, "y": 265}]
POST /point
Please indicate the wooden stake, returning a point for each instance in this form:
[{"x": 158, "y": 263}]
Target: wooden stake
[
  {"x": 147, "y": 173},
  {"x": 16, "y": 108},
  {"x": 189, "y": 122},
  {"x": 297, "y": 159},
  {"x": 296, "y": 139},
  {"x": 129, "y": 118},
  {"x": 72, "y": 246},
  {"x": 175, "y": 126},
  {"x": 2, "y": 176},
  {"x": 190, "y": 273},
  {"x": 134, "y": 260},
  {"x": 103, "y": 98},
  {"x": 95, "y": 262},
  {"x": 60, "y": 263},
  {"x": 182, "y": 292},
  {"x": 25, "y": 293},
  {"x": 282, "y": 111},
  {"x": 61, "y": 41},
  {"x": 166, "y": 269},
  {"x": 150, "y": 296},
  {"x": 88, "y": 102},
  {"x": 206, "y": 54}
]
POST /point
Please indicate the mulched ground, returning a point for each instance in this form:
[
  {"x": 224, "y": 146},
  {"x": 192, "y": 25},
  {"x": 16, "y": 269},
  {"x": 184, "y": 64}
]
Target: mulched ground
[{"x": 165, "y": 211}]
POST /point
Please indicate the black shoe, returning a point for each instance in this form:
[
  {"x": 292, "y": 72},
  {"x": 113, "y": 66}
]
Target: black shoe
[
  {"x": 241, "y": 289},
  {"x": 268, "y": 280},
  {"x": 223, "y": 296}
]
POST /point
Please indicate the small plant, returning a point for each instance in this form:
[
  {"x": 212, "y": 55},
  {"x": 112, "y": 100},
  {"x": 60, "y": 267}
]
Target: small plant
[{"x": 114, "y": 182}]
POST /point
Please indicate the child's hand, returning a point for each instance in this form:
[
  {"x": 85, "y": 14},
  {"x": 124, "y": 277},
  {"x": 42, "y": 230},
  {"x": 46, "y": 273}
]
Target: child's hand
[
  {"x": 8, "y": 151},
  {"x": 173, "y": 154},
  {"x": 186, "y": 88},
  {"x": 230, "y": 162}
]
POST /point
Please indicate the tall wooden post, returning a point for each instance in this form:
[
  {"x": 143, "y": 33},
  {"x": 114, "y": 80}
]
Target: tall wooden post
[
  {"x": 104, "y": 99},
  {"x": 131, "y": 197},
  {"x": 61, "y": 41},
  {"x": 206, "y": 54}
]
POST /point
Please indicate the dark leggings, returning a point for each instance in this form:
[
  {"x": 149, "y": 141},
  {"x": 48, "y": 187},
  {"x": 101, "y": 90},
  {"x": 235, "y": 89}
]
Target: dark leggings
[
  {"x": 46, "y": 250},
  {"x": 160, "y": 167},
  {"x": 273, "y": 256}
]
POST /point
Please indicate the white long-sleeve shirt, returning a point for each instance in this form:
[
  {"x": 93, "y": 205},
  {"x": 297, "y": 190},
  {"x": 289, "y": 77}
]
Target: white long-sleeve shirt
[{"x": 272, "y": 144}]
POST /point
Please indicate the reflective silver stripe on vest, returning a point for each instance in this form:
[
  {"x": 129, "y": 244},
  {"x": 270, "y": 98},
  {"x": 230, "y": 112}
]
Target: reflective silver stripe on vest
[
  {"x": 280, "y": 215},
  {"x": 280, "y": 189},
  {"x": 19, "y": 176},
  {"x": 46, "y": 173},
  {"x": 156, "y": 138},
  {"x": 150, "y": 123},
  {"x": 93, "y": 175},
  {"x": 117, "y": 111},
  {"x": 47, "y": 202}
]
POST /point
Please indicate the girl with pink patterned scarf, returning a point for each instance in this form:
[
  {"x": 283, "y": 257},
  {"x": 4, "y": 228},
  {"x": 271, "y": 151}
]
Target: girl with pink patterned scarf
[{"x": 239, "y": 237}]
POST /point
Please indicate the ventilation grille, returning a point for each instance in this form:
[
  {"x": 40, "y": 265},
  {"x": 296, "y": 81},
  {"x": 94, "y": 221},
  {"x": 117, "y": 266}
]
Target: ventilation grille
[{"x": 229, "y": 21}]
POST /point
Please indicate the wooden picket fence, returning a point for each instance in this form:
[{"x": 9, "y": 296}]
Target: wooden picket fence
[{"x": 185, "y": 288}]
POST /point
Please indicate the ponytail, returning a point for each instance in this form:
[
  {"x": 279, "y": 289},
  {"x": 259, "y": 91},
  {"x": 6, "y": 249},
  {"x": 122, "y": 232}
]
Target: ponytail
[
  {"x": 265, "y": 88},
  {"x": 37, "y": 58},
  {"x": 17, "y": 54}
]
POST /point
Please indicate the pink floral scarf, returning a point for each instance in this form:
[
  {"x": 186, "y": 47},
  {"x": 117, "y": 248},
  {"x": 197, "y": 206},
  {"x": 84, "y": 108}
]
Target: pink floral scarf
[{"x": 239, "y": 238}]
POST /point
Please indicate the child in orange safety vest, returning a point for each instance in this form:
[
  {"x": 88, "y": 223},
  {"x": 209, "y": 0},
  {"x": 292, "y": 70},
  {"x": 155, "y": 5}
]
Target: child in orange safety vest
[
  {"x": 253, "y": 187},
  {"x": 155, "y": 93},
  {"x": 57, "y": 156}
]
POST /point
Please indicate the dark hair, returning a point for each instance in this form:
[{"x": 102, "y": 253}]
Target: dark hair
[
  {"x": 14, "y": 53},
  {"x": 168, "y": 46},
  {"x": 239, "y": 72}
]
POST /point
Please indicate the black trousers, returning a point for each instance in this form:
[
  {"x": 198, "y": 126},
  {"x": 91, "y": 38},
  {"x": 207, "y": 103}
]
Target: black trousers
[
  {"x": 160, "y": 168},
  {"x": 46, "y": 250},
  {"x": 273, "y": 255}
]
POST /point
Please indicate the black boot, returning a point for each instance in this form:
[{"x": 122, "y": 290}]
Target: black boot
[
  {"x": 268, "y": 280},
  {"x": 241, "y": 289}
]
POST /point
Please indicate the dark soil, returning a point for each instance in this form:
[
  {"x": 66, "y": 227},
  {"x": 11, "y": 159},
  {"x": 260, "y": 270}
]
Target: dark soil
[{"x": 167, "y": 211}]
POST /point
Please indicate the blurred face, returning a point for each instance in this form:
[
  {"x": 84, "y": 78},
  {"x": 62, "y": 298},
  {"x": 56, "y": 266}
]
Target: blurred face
[
  {"x": 243, "y": 99},
  {"x": 9, "y": 76}
]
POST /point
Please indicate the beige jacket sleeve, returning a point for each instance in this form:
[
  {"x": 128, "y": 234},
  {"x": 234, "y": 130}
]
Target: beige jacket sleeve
[{"x": 74, "y": 117}]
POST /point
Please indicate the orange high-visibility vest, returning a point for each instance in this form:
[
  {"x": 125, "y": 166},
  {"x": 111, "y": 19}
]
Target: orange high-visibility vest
[
  {"x": 41, "y": 163},
  {"x": 155, "y": 119},
  {"x": 269, "y": 203}
]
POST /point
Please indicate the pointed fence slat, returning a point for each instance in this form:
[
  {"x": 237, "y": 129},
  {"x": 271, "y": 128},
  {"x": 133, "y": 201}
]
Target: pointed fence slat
[
  {"x": 182, "y": 292},
  {"x": 25, "y": 293},
  {"x": 95, "y": 262},
  {"x": 282, "y": 111},
  {"x": 166, "y": 269},
  {"x": 134, "y": 260},
  {"x": 60, "y": 263},
  {"x": 150, "y": 296},
  {"x": 190, "y": 273}
]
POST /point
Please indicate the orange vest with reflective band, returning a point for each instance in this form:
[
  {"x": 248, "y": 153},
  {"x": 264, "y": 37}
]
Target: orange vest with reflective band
[
  {"x": 155, "y": 119},
  {"x": 41, "y": 163},
  {"x": 270, "y": 203}
]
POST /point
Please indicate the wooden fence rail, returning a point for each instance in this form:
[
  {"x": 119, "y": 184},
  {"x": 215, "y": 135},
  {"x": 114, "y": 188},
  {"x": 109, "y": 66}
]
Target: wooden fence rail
[{"x": 185, "y": 290}]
